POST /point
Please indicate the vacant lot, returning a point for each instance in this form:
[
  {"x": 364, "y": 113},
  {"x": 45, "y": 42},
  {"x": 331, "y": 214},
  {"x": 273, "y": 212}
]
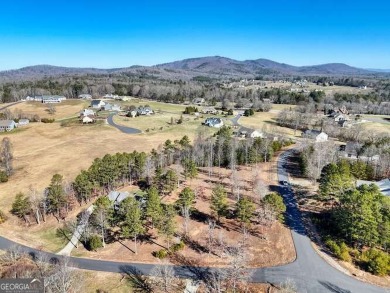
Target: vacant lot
[{"x": 266, "y": 245}]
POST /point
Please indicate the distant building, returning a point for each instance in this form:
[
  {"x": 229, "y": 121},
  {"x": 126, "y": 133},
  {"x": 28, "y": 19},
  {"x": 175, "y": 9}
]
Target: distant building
[
  {"x": 209, "y": 110},
  {"x": 144, "y": 110},
  {"x": 97, "y": 104},
  {"x": 199, "y": 101},
  {"x": 111, "y": 107},
  {"x": 85, "y": 96},
  {"x": 316, "y": 135},
  {"x": 87, "y": 112},
  {"x": 48, "y": 99},
  {"x": 111, "y": 96},
  {"x": 250, "y": 133},
  {"x": 23, "y": 122},
  {"x": 88, "y": 119},
  {"x": 117, "y": 197},
  {"x": 214, "y": 122},
  {"x": 7, "y": 125},
  {"x": 353, "y": 150},
  {"x": 383, "y": 185}
]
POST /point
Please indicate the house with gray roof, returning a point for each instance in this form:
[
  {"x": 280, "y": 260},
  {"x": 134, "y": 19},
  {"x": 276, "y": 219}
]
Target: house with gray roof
[
  {"x": 7, "y": 125},
  {"x": 318, "y": 136},
  {"x": 22, "y": 122},
  {"x": 383, "y": 185},
  {"x": 97, "y": 104},
  {"x": 214, "y": 122},
  {"x": 117, "y": 197}
]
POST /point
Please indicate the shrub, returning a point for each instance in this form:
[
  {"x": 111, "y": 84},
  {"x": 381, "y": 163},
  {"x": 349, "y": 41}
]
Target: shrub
[
  {"x": 94, "y": 242},
  {"x": 47, "y": 120},
  {"x": 3, "y": 176},
  {"x": 333, "y": 246},
  {"x": 378, "y": 262},
  {"x": 178, "y": 246},
  {"x": 3, "y": 217},
  {"x": 344, "y": 253},
  {"x": 230, "y": 112},
  {"x": 161, "y": 254}
]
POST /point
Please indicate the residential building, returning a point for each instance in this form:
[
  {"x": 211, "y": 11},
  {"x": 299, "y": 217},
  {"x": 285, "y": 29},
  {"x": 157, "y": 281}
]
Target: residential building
[
  {"x": 209, "y": 110},
  {"x": 214, "y": 122},
  {"x": 383, "y": 185},
  {"x": 87, "y": 112},
  {"x": 354, "y": 151},
  {"x": 85, "y": 96},
  {"x": 117, "y": 197},
  {"x": 249, "y": 133},
  {"x": 144, "y": 110},
  {"x": 199, "y": 101},
  {"x": 97, "y": 104},
  {"x": 7, "y": 125},
  {"x": 88, "y": 119},
  {"x": 49, "y": 99},
  {"x": 23, "y": 122},
  {"x": 111, "y": 96},
  {"x": 318, "y": 136}
]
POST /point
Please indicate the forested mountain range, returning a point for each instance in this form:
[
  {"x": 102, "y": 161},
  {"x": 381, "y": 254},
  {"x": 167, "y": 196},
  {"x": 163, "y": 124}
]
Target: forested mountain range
[{"x": 212, "y": 67}]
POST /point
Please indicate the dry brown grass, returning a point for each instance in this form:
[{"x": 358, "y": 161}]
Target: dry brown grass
[{"x": 68, "y": 108}]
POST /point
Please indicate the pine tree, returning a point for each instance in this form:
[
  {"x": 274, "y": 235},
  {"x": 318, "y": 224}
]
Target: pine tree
[
  {"x": 56, "y": 196},
  {"x": 21, "y": 206},
  {"x": 166, "y": 227},
  {"x": 132, "y": 225},
  {"x": 244, "y": 210},
  {"x": 190, "y": 170},
  {"x": 154, "y": 209},
  {"x": 219, "y": 201}
]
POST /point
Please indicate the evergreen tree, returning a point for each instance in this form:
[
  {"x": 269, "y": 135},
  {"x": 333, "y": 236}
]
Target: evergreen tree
[
  {"x": 244, "y": 211},
  {"x": 186, "y": 198},
  {"x": 56, "y": 197},
  {"x": 219, "y": 203},
  {"x": 21, "y": 206},
  {"x": 132, "y": 225},
  {"x": 169, "y": 182},
  {"x": 166, "y": 227},
  {"x": 190, "y": 170},
  {"x": 154, "y": 209},
  {"x": 83, "y": 186}
]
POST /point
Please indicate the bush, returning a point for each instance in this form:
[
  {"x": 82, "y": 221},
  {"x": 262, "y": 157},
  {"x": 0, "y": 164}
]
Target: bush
[
  {"x": 47, "y": 120},
  {"x": 377, "y": 262},
  {"x": 161, "y": 254},
  {"x": 344, "y": 253},
  {"x": 178, "y": 246},
  {"x": 95, "y": 242},
  {"x": 3, "y": 217},
  {"x": 3, "y": 177},
  {"x": 340, "y": 251},
  {"x": 333, "y": 246}
]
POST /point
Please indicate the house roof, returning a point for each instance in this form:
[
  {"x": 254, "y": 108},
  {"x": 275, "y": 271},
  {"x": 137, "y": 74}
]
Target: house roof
[
  {"x": 313, "y": 133},
  {"x": 6, "y": 123},
  {"x": 24, "y": 120},
  {"x": 383, "y": 185},
  {"x": 95, "y": 102},
  {"x": 118, "y": 196}
]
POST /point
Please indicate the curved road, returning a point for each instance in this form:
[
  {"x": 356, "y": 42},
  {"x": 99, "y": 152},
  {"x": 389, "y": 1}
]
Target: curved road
[
  {"x": 124, "y": 129},
  {"x": 309, "y": 271}
]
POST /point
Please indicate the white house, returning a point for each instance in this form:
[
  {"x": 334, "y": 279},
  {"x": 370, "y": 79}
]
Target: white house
[
  {"x": 383, "y": 185},
  {"x": 50, "y": 99},
  {"x": 7, "y": 125},
  {"x": 209, "y": 110},
  {"x": 111, "y": 96},
  {"x": 87, "y": 119},
  {"x": 110, "y": 107},
  {"x": 318, "y": 136},
  {"x": 132, "y": 113},
  {"x": 144, "y": 110},
  {"x": 97, "y": 104},
  {"x": 85, "y": 96},
  {"x": 249, "y": 133},
  {"x": 199, "y": 101},
  {"x": 87, "y": 112},
  {"x": 23, "y": 122},
  {"x": 339, "y": 117},
  {"x": 214, "y": 122}
]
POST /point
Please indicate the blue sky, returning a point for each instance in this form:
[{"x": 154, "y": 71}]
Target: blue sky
[{"x": 106, "y": 34}]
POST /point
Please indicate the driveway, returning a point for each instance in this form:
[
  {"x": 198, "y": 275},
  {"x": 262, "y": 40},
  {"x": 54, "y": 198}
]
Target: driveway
[
  {"x": 309, "y": 271},
  {"x": 10, "y": 105},
  {"x": 124, "y": 129}
]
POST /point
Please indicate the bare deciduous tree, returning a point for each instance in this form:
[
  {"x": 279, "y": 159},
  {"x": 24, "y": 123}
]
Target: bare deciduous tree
[{"x": 6, "y": 156}]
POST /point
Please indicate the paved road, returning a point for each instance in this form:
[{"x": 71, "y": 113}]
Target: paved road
[
  {"x": 309, "y": 271},
  {"x": 235, "y": 120},
  {"x": 10, "y": 105},
  {"x": 125, "y": 129}
]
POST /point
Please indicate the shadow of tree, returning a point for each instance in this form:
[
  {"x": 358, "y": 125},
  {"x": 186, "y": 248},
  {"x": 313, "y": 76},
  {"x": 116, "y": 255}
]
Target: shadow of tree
[
  {"x": 138, "y": 282},
  {"x": 333, "y": 288}
]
